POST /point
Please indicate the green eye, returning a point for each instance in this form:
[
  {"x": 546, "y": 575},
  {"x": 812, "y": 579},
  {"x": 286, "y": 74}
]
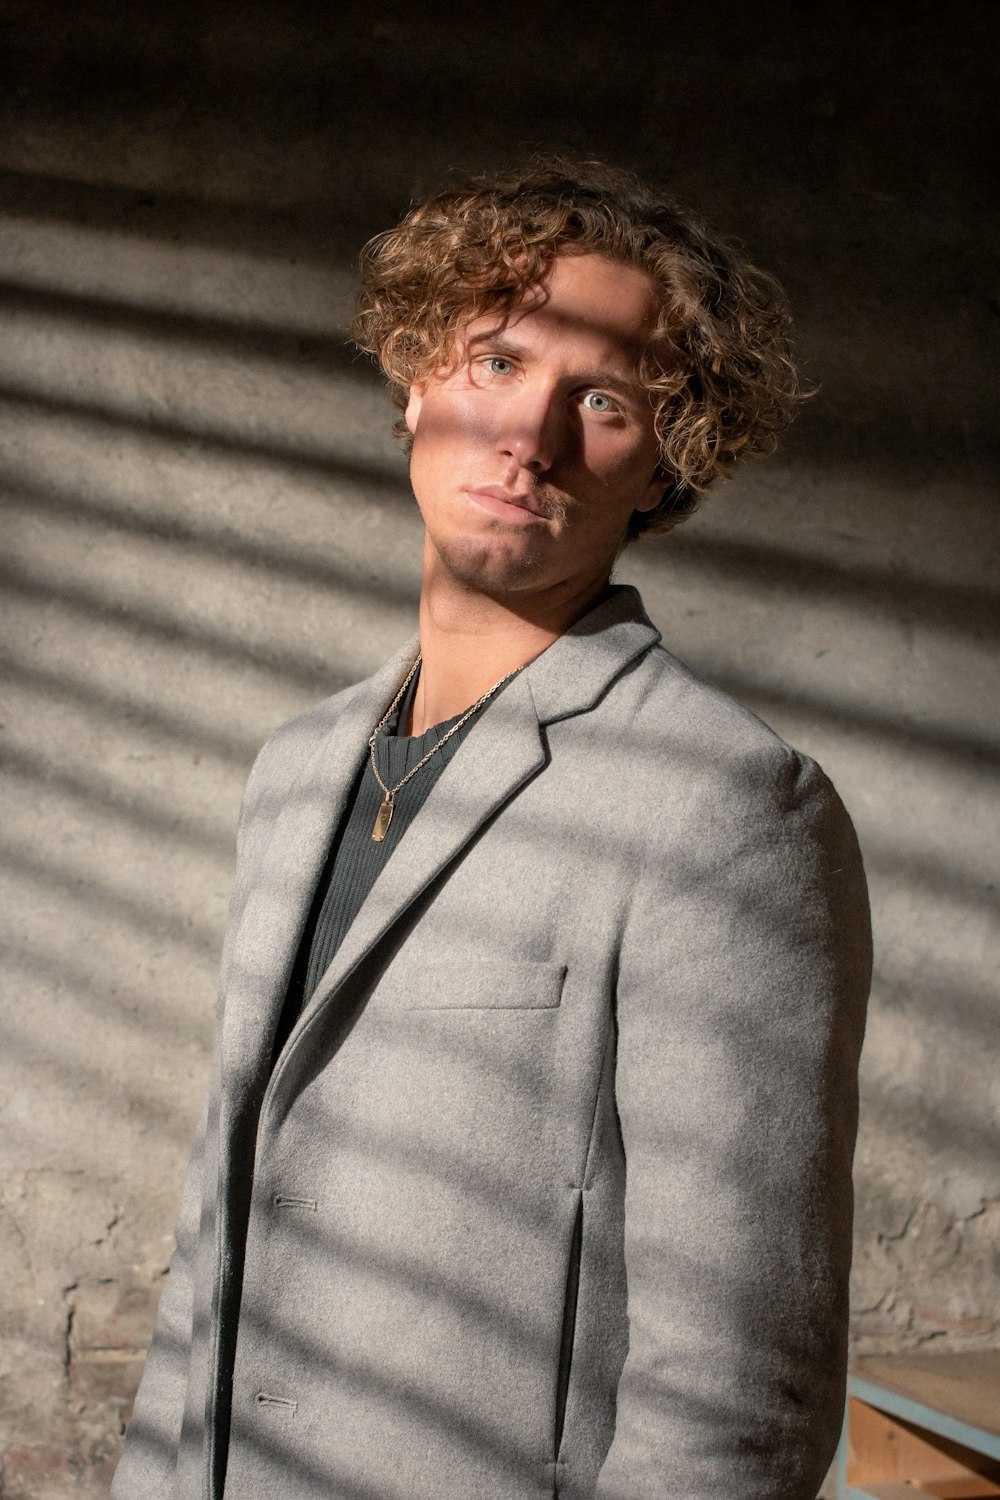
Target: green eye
[
  {"x": 598, "y": 401},
  {"x": 499, "y": 366}
]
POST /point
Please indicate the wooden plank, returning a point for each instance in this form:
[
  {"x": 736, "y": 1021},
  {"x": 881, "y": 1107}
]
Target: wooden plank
[
  {"x": 884, "y": 1449},
  {"x": 964, "y": 1387},
  {"x": 968, "y": 1489},
  {"x": 978, "y": 1488},
  {"x": 947, "y": 1429}
]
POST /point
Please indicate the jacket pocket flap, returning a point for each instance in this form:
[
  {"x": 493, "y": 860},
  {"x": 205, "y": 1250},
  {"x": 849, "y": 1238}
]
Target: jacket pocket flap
[{"x": 482, "y": 984}]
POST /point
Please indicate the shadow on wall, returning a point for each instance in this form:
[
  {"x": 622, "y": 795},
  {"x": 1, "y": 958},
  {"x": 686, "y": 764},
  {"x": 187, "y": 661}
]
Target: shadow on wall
[{"x": 207, "y": 527}]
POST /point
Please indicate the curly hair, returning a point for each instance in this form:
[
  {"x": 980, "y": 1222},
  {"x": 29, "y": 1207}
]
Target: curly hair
[{"x": 718, "y": 367}]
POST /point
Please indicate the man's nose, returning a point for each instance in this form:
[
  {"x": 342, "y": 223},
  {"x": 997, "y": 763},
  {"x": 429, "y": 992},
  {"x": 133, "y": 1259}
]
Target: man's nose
[{"x": 533, "y": 429}]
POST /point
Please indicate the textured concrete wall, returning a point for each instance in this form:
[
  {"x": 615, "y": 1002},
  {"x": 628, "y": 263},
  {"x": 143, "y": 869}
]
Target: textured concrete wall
[{"x": 206, "y": 527}]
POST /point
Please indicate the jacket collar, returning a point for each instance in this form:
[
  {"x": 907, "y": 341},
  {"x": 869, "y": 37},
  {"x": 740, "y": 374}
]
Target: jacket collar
[{"x": 581, "y": 665}]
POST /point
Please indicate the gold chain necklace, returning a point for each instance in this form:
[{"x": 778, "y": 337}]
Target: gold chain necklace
[{"x": 384, "y": 815}]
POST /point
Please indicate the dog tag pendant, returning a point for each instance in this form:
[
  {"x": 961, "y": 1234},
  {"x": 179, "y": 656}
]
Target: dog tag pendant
[{"x": 382, "y": 820}]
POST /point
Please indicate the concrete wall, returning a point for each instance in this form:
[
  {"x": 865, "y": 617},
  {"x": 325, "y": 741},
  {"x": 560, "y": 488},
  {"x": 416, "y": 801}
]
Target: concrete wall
[{"x": 207, "y": 527}]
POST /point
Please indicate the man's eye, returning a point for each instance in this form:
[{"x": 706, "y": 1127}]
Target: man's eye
[
  {"x": 497, "y": 365},
  {"x": 598, "y": 401}
]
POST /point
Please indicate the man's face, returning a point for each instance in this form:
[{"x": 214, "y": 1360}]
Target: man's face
[{"x": 531, "y": 454}]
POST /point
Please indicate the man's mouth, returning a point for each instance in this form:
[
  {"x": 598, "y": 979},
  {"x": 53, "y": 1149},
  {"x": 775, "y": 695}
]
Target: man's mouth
[{"x": 517, "y": 507}]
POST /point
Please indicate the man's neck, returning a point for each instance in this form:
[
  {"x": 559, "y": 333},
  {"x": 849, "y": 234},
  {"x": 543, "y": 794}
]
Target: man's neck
[{"x": 470, "y": 641}]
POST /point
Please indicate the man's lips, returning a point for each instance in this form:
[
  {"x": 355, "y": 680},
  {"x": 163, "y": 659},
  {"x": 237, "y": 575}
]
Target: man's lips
[{"x": 515, "y": 507}]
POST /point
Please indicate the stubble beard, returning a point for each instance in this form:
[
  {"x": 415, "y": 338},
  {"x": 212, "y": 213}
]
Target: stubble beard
[{"x": 484, "y": 565}]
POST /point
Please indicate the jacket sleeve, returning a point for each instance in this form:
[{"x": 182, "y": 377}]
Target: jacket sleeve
[
  {"x": 742, "y": 989},
  {"x": 147, "y": 1466}
]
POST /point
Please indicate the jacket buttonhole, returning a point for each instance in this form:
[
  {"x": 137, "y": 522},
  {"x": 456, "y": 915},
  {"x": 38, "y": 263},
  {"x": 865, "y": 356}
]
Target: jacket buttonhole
[
  {"x": 264, "y": 1398},
  {"x": 281, "y": 1200}
]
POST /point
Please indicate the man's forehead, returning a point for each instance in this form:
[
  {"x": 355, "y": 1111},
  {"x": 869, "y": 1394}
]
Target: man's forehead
[{"x": 610, "y": 307}]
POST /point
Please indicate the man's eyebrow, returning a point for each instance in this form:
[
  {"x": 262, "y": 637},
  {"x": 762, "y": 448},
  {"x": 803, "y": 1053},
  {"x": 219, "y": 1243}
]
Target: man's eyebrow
[{"x": 499, "y": 343}]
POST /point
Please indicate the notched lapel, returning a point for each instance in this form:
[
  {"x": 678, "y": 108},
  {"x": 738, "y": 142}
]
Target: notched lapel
[
  {"x": 284, "y": 877},
  {"x": 502, "y": 752}
]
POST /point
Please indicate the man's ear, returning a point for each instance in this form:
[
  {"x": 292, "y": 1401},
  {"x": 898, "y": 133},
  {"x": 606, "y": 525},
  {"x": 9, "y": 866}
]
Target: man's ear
[
  {"x": 655, "y": 490},
  {"x": 415, "y": 401}
]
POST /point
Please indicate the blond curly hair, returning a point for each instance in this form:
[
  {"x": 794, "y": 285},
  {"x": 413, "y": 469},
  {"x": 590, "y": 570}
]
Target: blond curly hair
[{"x": 719, "y": 365}]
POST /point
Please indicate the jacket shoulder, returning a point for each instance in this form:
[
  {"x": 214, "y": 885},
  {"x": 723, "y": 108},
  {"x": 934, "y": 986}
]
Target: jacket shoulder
[
  {"x": 707, "y": 708},
  {"x": 731, "y": 800},
  {"x": 720, "y": 746}
]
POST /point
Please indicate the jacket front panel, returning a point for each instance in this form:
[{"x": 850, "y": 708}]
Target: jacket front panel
[{"x": 417, "y": 1224}]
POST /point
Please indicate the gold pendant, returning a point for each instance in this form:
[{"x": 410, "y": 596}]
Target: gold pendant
[{"x": 382, "y": 820}]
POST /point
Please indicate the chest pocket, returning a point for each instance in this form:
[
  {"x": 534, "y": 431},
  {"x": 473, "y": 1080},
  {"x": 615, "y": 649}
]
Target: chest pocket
[{"x": 479, "y": 984}]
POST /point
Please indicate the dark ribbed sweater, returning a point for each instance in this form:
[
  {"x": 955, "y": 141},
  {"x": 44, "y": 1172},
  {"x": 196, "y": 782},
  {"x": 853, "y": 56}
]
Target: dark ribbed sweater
[{"x": 355, "y": 861}]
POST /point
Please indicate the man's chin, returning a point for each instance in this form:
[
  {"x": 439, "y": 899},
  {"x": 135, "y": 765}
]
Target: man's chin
[{"x": 492, "y": 565}]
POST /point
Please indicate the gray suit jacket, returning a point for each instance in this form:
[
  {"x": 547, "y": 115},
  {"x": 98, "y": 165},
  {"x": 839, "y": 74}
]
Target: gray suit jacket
[{"x": 549, "y": 1193}]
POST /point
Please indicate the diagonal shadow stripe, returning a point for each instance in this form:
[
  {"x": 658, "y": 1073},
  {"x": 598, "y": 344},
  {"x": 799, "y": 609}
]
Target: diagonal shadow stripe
[
  {"x": 212, "y": 542},
  {"x": 928, "y": 877},
  {"x": 140, "y": 811},
  {"x": 949, "y": 999},
  {"x": 320, "y": 231},
  {"x": 958, "y": 608},
  {"x": 388, "y": 481},
  {"x": 97, "y": 698},
  {"x": 110, "y": 999},
  {"x": 970, "y": 747},
  {"x": 79, "y": 886},
  {"x": 286, "y": 665},
  {"x": 251, "y": 339},
  {"x": 67, "y": 1078}
]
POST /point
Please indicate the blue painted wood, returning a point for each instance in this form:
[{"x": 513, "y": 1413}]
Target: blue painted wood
[{"x": 927, "y": 1417}]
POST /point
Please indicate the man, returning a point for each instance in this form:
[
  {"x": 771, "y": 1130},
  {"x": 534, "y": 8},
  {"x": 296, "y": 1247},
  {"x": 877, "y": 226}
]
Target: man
[{"x": 525, "y": 1168}]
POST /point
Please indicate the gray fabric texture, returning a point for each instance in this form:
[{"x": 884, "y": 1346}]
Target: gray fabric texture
[{"x": 549, "y": 1192}]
